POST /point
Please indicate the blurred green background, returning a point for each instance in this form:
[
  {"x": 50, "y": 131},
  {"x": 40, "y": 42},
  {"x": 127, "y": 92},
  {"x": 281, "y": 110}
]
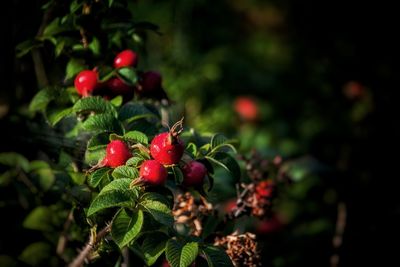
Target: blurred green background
[{"x": 323, "y": 76}]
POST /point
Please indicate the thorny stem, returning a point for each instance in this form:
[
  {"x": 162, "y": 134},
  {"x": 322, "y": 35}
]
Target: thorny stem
[
  {"x": 338, "y": 237},
  {"x": 93, "y": 240}
]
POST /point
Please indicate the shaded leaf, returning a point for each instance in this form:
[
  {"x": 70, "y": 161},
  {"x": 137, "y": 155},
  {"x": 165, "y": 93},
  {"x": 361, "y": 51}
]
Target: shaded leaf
[
  {"x": 126, "y": 226},
  {"x": 36, "y": 254},
  {"x": 153, "y": 246},
  {"x": 94, "y": 104},
  {"x": 116, "y": 194},
  {"x": 74, "y": 66},
  {"x": 158, "y": 206},
  {"x": 39, "y": 219},
  {"x": 97, "y": 176},
  {"x": 216, "y": 257},
  {"x": 181, "y": 255},
  {"x": 128, "y": 75},
  {"x": 137, "y": 137},
  {"x": 125, "y": 172},
  {"x": 13, "y": 159}
]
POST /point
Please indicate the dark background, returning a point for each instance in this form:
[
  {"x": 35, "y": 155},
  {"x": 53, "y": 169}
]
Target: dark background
[{"x": 352, "y": 40}]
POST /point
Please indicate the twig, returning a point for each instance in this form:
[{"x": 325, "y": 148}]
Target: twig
[
  {"x": 93, "y": 240},
  {"x": 338, "y": 237},
  {"x": 40, "y": 71},
  {"x": 62, "y": 240},
  {"x": 125, "y": 256}
]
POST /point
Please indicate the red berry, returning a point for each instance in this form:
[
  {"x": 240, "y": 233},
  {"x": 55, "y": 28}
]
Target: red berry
[
  {"x": 167, "y": 148},
  {"x": 194, "y": 173},
  {"x": 230, "y": 205},
  {"x": 150, "y": 81},
  {"x": 152, "y": 172},
  {"x": 271, "y": 225},
  {"x": 247, "y": 108},
  {"x": 85, "y": 82},
  {"x": 353, "y": 90},
  {"x": 126, "y": 58},
  {"x": 117, "y": 154},
  {"x": 118, "y": 87},
  {"x": 265, "y": 189}
]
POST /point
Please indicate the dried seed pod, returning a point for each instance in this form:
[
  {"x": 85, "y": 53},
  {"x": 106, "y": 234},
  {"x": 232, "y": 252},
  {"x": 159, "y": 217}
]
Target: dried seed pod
[
  {"x": 188, "y": 210},
  {"x": 242, "y": 249}
]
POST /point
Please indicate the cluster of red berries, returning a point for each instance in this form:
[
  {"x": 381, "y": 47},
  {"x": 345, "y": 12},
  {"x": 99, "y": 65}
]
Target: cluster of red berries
[
  {"x": 166, "y": 149},
  {"x": 87, "y": 81}
]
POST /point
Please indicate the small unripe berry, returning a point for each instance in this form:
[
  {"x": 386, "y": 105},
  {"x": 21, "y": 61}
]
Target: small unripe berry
[
  {"x": 153, "y": 173},
  {"x": 126, "y": 58}
]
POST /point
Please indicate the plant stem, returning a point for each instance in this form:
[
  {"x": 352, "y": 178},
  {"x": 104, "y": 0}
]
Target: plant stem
[
  {"x": 93, "y": 240},
  {"x": 62, "y": 241},
  {"x": 40, "y": 71},
  {"x": 338, "y": 237}
]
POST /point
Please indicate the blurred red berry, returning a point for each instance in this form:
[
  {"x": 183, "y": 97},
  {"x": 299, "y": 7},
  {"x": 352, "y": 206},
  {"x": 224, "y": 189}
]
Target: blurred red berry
[
  {"x": 118, "y": 87},
  {"x": 126, "y": 58},
  {"x": 353, "y": 90},
  {"x": 265, "y": 189},
  {"x": 247, "y": 108},
  {"x": 194, "y": 173}
]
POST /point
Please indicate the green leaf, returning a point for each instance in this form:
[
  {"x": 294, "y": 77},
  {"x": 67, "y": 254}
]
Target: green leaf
[
  {"x": 13, "y": 159},
  {"x": 218, "y": 139},
  {"x": 39, "y": 219},
  {"x": 158, "y": 207},
  {"x": 137, "y": 137},
  {"x": 116, "y": 194},
  {"x": 117, "y": 101},
  {"x": 36, "y": 254},
  {"x": 55, "y": 27},
  {"x": 135, "y": 161},
  {"x": 94, "y": 104},
  {"x": 126, "y": 226},
  {"x": 134, "y": 111},
  {"x": 25, "y": 47},
  {"x": 95, "y": 46},
  {"x": 59, "y": 48},
  {"x": 97, "y": 176},
  {"x": 42, "y": 99},
  {"x": 125, "y": 172},
  {"x": 45, "y": 177},
  {"x": 227, "y": 162},
  {"x": 75, "y": 6},
  {"x": 153, "y": 246},
  {"x": 219, "y": 142},
  {"x": 102, "y": 123},
  {"x": 177, "y": 174},
  {"x": 181, "y": 255},
  {"x": 99, "y": 140},
  {"x": 74, "y": 66},
  {"x": 56, "y": 116},
  {"x": 94, "y": 155},
  {"x": 110, "y": 3},
  {"x": 128, "y": 75},
  {"x": 192, "y": 149},
  {"x": 216, "y": 257}
]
